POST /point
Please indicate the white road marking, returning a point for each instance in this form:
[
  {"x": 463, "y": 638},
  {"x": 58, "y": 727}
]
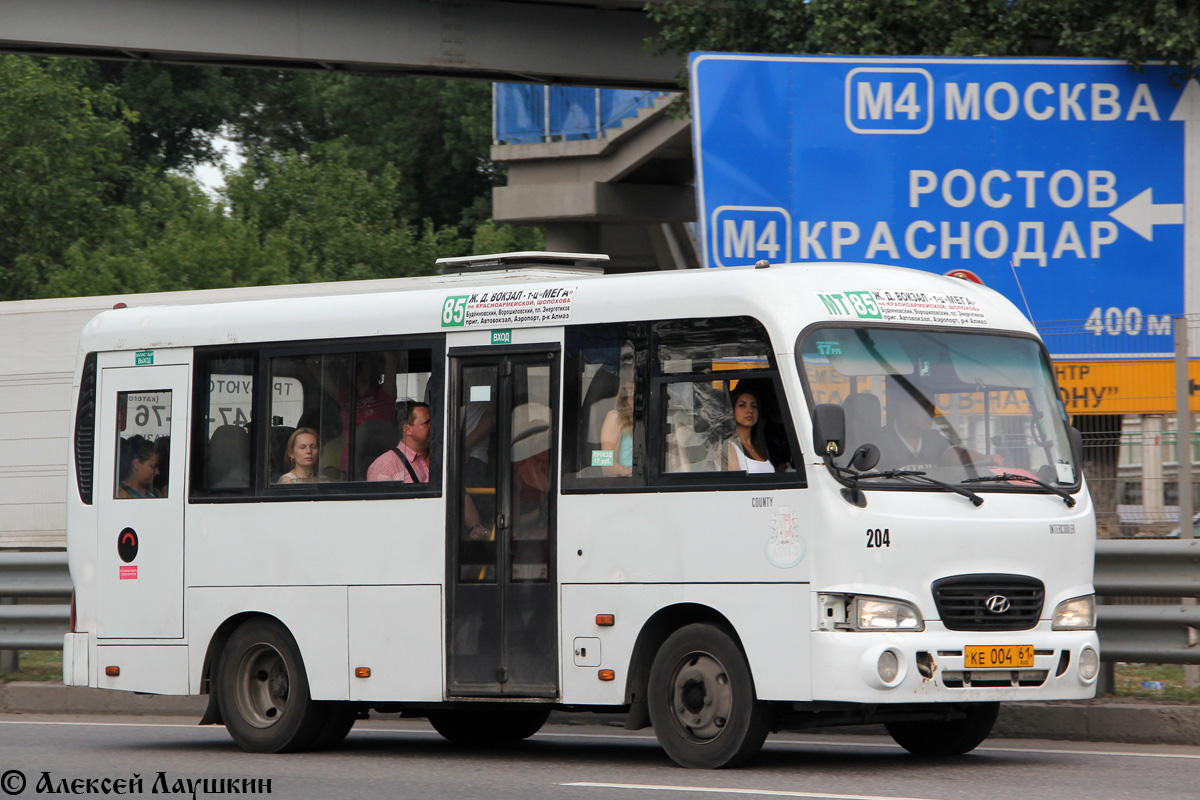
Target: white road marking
[
  {"x": 720, "y": 790},
  {"x": 771, "y": 744}
]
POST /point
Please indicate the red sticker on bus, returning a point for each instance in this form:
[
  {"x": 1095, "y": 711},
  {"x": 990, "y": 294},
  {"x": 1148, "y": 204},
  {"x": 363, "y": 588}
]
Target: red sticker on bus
[{"x": 129, "y": 573}]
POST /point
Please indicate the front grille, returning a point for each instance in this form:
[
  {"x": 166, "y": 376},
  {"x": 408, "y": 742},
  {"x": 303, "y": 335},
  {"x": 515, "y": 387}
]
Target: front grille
[{"x": 962, "y": 602}]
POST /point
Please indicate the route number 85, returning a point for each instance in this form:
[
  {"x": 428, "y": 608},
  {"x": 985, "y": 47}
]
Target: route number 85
[{"x": 454, "y": 311}]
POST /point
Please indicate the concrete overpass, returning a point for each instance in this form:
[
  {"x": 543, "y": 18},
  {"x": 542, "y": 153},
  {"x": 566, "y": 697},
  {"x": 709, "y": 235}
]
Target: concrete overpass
[{"x": 583, "y": 42}]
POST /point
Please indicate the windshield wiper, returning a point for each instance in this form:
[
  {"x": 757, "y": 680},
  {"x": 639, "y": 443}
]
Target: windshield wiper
[
  {"x": 1008, "y": 476},
  {"x": 975, "y": 499}
]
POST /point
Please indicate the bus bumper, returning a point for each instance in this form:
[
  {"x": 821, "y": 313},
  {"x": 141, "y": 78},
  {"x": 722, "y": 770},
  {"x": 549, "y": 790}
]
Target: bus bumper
[
  {"x": 932, "y": 666},
  {"x": 75, "y": 659}
]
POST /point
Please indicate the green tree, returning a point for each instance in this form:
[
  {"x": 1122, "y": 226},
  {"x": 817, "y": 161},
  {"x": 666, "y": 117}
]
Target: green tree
[
  {"x": 435, "y": 133},
  {"x": 1134, "y": 30},
  {"x": 63, "y": 148},
  {"x": 177, "y": 110}
]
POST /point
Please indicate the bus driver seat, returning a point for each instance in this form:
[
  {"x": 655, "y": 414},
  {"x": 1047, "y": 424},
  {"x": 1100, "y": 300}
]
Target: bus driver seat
[{"x": 864, "y": 421}]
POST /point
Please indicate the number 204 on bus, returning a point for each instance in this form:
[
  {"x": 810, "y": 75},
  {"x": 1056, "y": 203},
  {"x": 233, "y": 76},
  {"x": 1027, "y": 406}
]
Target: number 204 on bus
[{"x": 719, "y": 503}]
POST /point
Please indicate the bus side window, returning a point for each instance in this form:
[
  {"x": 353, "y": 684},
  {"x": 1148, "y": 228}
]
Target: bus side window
[
  {"x": 317, "y": 391},
  {"x": 703, "y": 366},
  {"x": 144, "y": 444},
  {"x": 221, "y": 434},
  {"x": 607, "y": 384}
]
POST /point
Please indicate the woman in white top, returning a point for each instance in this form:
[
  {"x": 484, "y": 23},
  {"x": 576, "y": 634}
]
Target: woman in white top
[
  {"x": 302, "y": 453},
  {"x": 748, "y": 451}
]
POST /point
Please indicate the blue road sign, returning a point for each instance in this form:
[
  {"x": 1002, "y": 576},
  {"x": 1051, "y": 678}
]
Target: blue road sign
[{"x": 1059, "y": 182}]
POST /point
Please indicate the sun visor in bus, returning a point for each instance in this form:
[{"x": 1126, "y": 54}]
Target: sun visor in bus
[
  {"x": 995, "y": 363},
  {"x": 851, "y": 354}
]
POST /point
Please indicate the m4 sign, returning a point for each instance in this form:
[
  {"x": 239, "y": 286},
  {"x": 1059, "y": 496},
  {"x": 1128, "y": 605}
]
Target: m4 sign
[{"x": 748, "y": 234}]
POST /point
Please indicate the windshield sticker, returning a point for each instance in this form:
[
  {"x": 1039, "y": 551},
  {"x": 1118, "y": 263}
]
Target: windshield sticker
[
  {"x": 892, "y": 306},
  {"x": 829, "y": 348},
  {"x": 602, "y": 458},
  {"x": 1066, "y": 472},
  {"x": 508, "y": 307},
  {"x": 785, "y": 549}
]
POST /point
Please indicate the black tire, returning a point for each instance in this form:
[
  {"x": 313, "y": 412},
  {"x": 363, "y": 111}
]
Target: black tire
[
  {"x": 489, "y": 726},
  {"x": 263, "y": 691},
  {"x": 702, "y": 702},
  {"x": 947, "y": 738},
  {"x": 340, "y": 716}
]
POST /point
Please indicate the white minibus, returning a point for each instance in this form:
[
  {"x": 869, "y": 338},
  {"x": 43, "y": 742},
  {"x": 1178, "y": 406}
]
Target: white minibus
[{"x": 721, "y": 502}]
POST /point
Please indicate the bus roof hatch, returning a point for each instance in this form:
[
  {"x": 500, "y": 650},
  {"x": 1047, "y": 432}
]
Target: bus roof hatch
[{"x": 575, "y": 262}]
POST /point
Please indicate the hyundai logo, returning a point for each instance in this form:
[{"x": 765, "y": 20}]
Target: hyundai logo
[{"x": 997, "y": 604}]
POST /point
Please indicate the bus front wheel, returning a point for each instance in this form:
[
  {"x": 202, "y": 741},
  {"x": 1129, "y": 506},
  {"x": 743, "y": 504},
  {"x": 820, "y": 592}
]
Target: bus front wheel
[
  {"x": 939, "y": 738},
  {"x": 702, "y": 702},
  {"x": 489, "y": 726},
  {"x": 263, "y": 691}
]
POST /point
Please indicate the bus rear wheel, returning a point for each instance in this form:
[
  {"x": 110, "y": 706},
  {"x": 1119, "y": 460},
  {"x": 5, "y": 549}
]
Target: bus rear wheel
[
  {"x": 938, "y": 738},
  {"x": 489, "y": 726},
  {"x": 263, "y": 691},
  {"x": 702, "y": 702}
]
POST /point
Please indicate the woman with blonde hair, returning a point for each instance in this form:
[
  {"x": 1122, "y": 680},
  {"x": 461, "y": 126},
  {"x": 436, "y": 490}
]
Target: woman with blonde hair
[{"x": 302, "y": 451}]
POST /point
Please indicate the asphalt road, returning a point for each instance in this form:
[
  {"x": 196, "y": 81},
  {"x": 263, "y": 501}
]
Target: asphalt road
[{"x": 406, "y": 759}]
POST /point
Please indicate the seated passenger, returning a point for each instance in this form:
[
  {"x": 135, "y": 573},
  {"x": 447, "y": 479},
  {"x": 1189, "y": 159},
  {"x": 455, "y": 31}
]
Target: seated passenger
[
  {"x": 408, "y": 461},
  {"x": 141, "y": 468},
  {"x": 908, "y": 439},
  {"x": 616, "y": 436},
  {"x": 748, "y": 450},
  {"x": 302, "y": 452}
]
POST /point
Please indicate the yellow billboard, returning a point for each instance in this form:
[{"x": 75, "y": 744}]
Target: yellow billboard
[{"x": 1122, "y": 387}]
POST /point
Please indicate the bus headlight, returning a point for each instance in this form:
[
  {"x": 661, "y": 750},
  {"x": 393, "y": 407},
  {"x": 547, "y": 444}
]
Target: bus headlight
[
  {"x": 883, "y": 614},
  {"x": 1076, "y": 614}
]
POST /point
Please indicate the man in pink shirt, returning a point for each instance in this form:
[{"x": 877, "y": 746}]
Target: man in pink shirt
[{"x": 408, "y": 461}]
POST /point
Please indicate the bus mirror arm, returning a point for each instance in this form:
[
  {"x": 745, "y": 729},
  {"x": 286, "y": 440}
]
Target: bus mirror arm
[{"x": 1076, "y": 440}]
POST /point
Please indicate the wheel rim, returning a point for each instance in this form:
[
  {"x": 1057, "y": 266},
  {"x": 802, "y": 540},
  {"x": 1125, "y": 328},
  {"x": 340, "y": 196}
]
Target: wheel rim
[
  {"x": 263, "y": 686},
  {"x": 701, "y": 697}
]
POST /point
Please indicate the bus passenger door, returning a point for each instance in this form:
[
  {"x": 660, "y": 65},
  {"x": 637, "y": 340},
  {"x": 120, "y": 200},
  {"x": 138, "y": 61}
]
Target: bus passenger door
[
  {"x": 503, "y": 471},
  {"x": 143, "y": 430}
]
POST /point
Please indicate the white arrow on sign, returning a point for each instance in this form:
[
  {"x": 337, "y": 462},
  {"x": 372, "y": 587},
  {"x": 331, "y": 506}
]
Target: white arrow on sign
[{"x": 1141, "y": 214}]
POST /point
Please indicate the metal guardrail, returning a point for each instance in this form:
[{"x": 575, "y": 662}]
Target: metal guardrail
[
  {"x": 1124, "y": 568},
  {"x": 1148, "y": 568},
  {"x": 41, "y": 575}
]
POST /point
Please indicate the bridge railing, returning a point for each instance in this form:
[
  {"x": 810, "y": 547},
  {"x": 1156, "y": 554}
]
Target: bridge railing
[
  {"x": 1152, "y": 634},
  {"x": 525, "y": 113},
  {"x": 1156, "y": 634}
]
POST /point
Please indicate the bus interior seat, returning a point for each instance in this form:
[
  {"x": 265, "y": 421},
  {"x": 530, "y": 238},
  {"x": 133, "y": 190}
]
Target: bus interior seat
[
  {"x": 372, "y": 439},
  {"x": 864, "y": 420},
  {"x": 277, "y": 452},
  {"x": 227, "y": 460}
]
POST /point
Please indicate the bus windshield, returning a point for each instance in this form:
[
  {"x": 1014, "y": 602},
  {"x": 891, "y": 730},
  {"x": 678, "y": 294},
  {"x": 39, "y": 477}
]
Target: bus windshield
[{"x": 956, "y": 406}]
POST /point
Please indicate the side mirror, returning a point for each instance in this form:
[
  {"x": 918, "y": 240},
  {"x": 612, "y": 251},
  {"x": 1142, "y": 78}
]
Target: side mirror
[
  {"x": 829, "y": 429},
  {"x": 865, "y": 458}
]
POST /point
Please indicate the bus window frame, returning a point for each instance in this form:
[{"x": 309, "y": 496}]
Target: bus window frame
[
  {"x": 262, "y": 355},
  {"x": 649, "y": 419},
  {"x": 726, "y": 479}
]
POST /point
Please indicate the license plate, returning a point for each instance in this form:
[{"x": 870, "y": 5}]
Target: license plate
[{"x": 1009, "y": 656}]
